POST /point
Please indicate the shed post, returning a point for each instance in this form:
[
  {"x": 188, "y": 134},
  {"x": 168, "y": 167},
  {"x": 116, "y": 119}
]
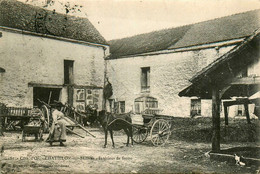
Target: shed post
[
  {"x": 247, "y": 113},
  {"x": 215, "y": 119},
  {"x": 226, "y": 113}
]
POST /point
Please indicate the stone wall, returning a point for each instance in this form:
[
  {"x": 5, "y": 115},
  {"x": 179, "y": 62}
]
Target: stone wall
[
  {"x": 28, "y": 58},
  {"x": 169, "y": 74}
]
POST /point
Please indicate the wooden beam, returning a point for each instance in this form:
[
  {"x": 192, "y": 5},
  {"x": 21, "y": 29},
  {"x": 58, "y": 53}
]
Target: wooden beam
[
  {"x": 74, "y": 133},
  {"x": 221, "y": 93},
  {"x": 237, "y": 102},
  {"x": 215, "y": 119},
  {"x": 32, "y": 84},
  {"x": 246, "y": 81},
  {"x": 87, "y": 86},
  {"x": 226, "y": 114},
  {"x": 224, "y": 89}
]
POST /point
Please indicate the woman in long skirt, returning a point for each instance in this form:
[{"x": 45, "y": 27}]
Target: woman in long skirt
[{"x": 58, "y": 129}]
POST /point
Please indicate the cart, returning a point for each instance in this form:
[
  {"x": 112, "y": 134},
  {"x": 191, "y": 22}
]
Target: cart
[
  {"x": 72, "y": 117},
  {"x": 14, "y": 117},
  {"x": 34, "y": 126},
  {"x": 28, "y": 130},
  {"x": 158, "y": 127}
]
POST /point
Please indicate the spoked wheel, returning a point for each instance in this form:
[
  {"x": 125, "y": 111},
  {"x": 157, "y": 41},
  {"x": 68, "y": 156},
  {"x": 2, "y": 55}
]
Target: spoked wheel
[
  {"x": 23, "y": 136},
  {"x": 139, "y": 134},
  {"x": 160, "y": 132},
  {"x": 47, "y": 121},
  {"x": 40, "y": 135}
]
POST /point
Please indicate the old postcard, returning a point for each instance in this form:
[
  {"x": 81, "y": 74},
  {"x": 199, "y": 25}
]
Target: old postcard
[{"x": 129, "y": 86}]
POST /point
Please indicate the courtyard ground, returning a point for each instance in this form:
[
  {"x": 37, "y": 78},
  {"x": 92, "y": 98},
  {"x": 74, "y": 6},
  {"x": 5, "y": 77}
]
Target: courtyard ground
[{"x": 87, "y": 155}]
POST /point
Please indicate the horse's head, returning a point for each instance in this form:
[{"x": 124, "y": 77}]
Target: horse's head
[
  {"x": 104, "y": 117},
  {"x": 101, "y": 116}
]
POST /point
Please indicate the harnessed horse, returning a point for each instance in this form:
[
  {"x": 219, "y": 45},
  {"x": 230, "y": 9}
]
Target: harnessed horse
[{"x": 111, "y": 123}]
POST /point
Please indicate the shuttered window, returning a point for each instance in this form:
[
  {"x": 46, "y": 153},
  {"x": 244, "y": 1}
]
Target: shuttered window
[
  {"x": 145, "y": 79},
  {"x": 195, "y": 107}
]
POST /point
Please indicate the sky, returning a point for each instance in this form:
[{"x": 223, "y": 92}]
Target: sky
[{"x": 123, "y": 18}]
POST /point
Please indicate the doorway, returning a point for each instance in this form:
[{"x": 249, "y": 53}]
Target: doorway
[{"x": 48, "y": 95}]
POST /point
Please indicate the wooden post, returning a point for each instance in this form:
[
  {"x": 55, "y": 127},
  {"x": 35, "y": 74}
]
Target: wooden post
[
  {"x": 247, "y": 113},
  {"x": 2, "y": 109},
  {"x": 70, "y": 95},
  {"x": 226, "y": 114},
  {"x": 215, "y": 119},
  {"x": 1, "y": 126}
]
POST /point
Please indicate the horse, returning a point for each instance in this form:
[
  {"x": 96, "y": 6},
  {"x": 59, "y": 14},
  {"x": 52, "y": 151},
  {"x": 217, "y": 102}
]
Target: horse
[{"x": 111, "y": 123}]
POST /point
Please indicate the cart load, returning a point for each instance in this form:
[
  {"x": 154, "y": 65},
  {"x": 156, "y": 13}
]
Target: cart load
[{"x": 35, "y": 125}]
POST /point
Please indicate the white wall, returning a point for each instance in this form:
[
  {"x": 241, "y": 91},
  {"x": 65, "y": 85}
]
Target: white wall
[
  {"x": 36, "y": 59},
  {"x": 169, "y": 74}
]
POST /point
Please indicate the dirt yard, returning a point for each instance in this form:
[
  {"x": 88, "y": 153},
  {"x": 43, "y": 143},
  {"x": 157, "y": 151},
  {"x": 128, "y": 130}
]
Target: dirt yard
[{"x": 87, "y": 155}]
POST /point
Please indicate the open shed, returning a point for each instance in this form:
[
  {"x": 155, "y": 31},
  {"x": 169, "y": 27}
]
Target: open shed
[{"x": 227, "y": 77}]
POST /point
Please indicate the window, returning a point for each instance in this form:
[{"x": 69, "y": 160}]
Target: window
[
  {"x": 68, "y": 72},
  {"x": 195, "y": 107},
  {"x": 111, "y": 105},
  {"x": 122, "y": 106},
  {"x": 145, "y": 79},
  {"x": 240, "y": 110},
  {"x": 116, "y": 107},
  {"x": 143, "y": 103},
  {"x": 2, "y": 70},
  {"x": 151, "y": 102},
  {"x": 137, "y": 107}
]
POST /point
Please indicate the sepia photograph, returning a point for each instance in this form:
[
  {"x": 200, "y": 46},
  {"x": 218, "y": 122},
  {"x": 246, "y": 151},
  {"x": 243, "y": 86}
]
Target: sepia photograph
[{"x": 129, "y": 86}]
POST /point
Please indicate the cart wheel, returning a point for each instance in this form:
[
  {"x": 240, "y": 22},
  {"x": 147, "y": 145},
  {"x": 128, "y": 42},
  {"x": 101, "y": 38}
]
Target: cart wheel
[
  {"x": 23, "y": 136},
  {"x": 139, "y": 134},
  {"x": 40, "y": 135},
  {"x": 47, "y": 121},
  {"x": 36, "y": 136},
  {"x": 160, "y": 132}
]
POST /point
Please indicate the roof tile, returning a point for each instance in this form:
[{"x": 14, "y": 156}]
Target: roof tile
[
  {"x": 21, "y": 16},
  {"x": 219, "y": 29}
]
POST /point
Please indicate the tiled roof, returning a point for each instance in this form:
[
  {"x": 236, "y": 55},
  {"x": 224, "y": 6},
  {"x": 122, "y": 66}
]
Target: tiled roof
[
  {"x": 219, "y": 29},
  {"x": 17, "y": 15},
  {"x": 218, "y": 72}
]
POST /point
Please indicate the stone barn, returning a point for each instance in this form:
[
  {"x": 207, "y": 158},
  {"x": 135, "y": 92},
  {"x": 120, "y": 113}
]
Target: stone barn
[
  {"x": 149, "y": 70},
  {"x": 49, "y": 56}
]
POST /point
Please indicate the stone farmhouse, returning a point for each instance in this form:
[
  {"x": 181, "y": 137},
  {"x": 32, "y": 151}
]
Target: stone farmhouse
[
  {"x": 149, "y": 70},
  {"x": 49, "y": 56}
]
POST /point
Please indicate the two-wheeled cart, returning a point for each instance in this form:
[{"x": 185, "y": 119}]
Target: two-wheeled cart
[
  {"x": 35, "y": 125},
  {"x": 71, "y": 116},
  {"x": 35, "y": 129},
  {"x": 157, "y": 127}
]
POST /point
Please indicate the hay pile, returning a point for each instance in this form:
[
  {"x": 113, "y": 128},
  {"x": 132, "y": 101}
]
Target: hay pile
[{"x": 200, "y": 130}]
